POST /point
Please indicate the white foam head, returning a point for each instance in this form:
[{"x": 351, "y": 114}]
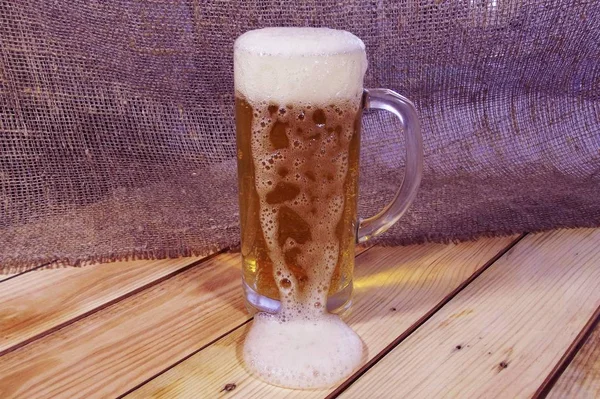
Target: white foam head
[{"x": 291, "y": 65}]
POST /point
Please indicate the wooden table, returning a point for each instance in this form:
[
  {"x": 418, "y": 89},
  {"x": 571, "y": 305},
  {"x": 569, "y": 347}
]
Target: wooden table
[{"x": 503, "y": 317}]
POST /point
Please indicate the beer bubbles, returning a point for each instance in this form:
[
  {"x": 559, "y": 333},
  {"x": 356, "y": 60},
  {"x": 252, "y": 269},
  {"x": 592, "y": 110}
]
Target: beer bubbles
[{"x": 302, "y": 88}]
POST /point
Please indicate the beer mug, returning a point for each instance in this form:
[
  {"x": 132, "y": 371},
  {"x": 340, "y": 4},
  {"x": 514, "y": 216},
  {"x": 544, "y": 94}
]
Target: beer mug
[{"x": 299, "y": 101}]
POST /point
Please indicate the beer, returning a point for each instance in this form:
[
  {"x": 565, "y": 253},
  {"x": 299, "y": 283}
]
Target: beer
[
  {"x": 299, "y": 96},
  {"x": 298, "y": 135},
  {"x": 298, "y": 116},
  {"x": 304, "y": 189}
]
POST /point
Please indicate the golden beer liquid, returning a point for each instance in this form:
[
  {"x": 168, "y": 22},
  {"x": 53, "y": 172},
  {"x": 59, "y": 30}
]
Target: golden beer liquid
[{"x": 306, "y": 144}]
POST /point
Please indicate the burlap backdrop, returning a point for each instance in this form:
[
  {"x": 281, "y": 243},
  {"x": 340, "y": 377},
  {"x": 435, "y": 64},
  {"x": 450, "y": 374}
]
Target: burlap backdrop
[{"x": 117, "y": 135}]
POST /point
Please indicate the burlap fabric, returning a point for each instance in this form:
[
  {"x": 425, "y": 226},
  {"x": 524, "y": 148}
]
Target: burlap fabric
[{"x": 117, "y": 133}]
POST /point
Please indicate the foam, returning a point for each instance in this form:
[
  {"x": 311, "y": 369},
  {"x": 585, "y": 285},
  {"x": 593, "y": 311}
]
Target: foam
[
  {"x": 302, "y": 353},
  {"x": 291, "y": 65},
  {"x": 305, "y": 89},
  {"x": 303, "y": 346}
]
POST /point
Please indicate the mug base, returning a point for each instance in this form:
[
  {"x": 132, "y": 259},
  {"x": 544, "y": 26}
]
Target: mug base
[{"x": 338, "y": 303}]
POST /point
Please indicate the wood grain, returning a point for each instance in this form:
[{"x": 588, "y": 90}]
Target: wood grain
[
  {"x": 6, "y": 276},
  {"x": 581, "y": 379},
  {"x": 42, "y": 300},
  {"x": 9, "y": 275},
  {"x": 122, "y": 345},
  {"x": 503, "y": 334},
  {"x": 395, "y": 287}
]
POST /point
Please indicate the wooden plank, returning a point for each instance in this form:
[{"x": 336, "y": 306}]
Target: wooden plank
[
  {"x": 9, "y": 275},
  {"x": 122, "y": 345},
  {"x": 581, "y": 379},
  {"x": 395, "y": 288},
  {"x": 504, "y": 333},
  {"x": 43, "y": 300}
]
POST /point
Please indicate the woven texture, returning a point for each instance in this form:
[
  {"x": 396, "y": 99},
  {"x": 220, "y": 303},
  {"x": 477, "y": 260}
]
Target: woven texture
[{"x": 117, "y": 133}]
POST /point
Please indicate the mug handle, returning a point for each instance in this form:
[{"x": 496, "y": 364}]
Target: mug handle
[{"x": 404, "y": 109}]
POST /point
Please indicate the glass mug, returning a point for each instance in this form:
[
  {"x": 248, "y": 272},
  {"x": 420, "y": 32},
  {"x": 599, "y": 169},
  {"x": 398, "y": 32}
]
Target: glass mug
[{"x": 299, "y": 102}]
